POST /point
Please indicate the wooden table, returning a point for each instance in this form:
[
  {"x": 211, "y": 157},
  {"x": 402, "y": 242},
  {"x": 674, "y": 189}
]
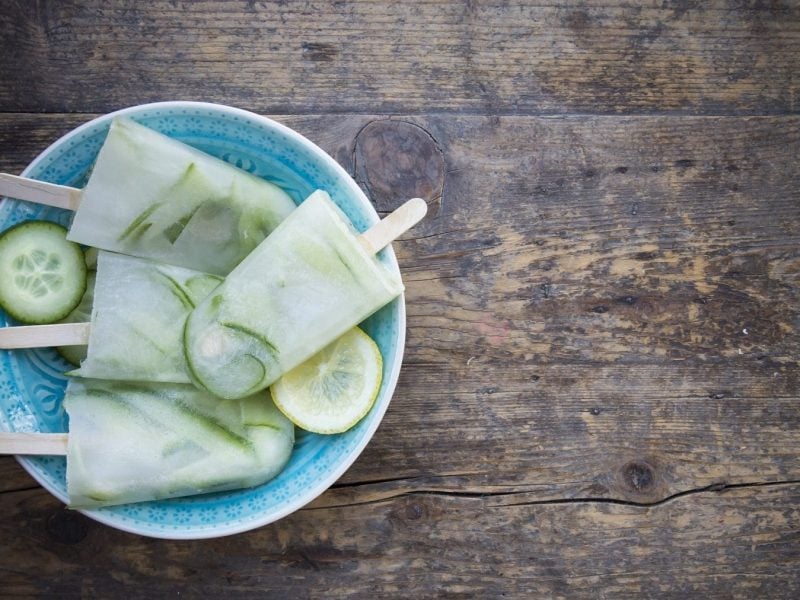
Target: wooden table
[{"x": 600, "y": 396}]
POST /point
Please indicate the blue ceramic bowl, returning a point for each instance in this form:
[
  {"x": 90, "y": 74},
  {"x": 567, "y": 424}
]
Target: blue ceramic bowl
[{"x": 31, "y": 381}]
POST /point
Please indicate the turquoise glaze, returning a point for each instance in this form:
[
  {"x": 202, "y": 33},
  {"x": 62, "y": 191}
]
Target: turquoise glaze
[{"x": 32, "y": 383}]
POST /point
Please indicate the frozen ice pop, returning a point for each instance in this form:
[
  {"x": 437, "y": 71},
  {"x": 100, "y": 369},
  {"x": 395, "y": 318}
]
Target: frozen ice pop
[
  {"x": 309, "y": 282},
  {"x": 152, "y": 196},
  {"x": 135, "y": 442},
  {"x": 138, "y": 316}
]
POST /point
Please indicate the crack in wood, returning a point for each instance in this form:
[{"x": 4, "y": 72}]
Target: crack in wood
[
  {"x": 713, "y": 488},
  {"x": 21, "y": 489}
]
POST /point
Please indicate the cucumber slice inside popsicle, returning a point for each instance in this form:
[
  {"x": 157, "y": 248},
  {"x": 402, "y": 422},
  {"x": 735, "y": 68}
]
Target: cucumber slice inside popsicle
[{"x": 80, "y": 314}]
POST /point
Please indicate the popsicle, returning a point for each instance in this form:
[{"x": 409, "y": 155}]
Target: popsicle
[
  {"x": 309, "y": 282},
  {"x": 152, "y": 196},
  {"x": 136, "y": 442},
  {"x": 137, "y": 319}
]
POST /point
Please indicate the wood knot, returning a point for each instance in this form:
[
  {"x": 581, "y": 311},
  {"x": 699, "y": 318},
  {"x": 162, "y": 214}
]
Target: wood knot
[
  {"x": 395, "y": 161},
  {"x": 639, "y": 476},
  {"x": 414, "y": 512},
  {"x": 67, "y": 526},
  {"x": 319, "y": 52}
]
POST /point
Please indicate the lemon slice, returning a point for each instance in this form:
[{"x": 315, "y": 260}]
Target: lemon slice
[{"x": 335, "y": 388}]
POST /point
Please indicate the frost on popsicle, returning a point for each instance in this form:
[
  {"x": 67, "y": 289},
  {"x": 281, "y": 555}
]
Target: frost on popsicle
[
  {"x": 137, "y": 319},
  {"x": 304, "y": 286},
  {"x": 152, "y": 196},
  {"x": 132, "y": 442}
]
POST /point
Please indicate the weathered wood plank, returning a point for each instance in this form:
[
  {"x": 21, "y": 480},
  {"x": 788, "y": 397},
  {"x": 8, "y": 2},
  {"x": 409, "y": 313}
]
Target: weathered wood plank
[
  {"x": 13, "y": 477},
  {"x": 326, "y": 56},
  {"x": 644, "y": 227},
  {"x": 601, "y": 392},
  {"x": 609, "y": 304},
  {"x": 741, "y": 543},
  {"x": 600, "y": 308}
]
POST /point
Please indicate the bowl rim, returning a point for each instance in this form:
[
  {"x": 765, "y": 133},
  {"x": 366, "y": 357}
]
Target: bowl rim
[{"x": 320, "y": 486}]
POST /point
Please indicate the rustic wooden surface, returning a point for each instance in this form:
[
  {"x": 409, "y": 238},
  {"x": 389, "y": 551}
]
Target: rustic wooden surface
[{"x": 601, "y": 390}]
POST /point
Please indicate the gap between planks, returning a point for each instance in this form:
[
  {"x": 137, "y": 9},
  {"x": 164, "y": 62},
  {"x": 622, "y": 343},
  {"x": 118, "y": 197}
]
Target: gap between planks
[{"x": 715, "y": 488}]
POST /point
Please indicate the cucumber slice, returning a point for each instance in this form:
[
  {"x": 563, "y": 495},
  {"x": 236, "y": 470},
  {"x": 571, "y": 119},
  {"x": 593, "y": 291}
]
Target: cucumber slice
[
  {"x": 80, "y": 314},
  {"x": 42, "y": 275},
  {"x": 72, "y": 354},
  {"x": 90, "y": 256}
]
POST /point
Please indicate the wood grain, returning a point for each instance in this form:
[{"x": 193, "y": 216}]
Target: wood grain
[
  {"x": 494, "y": 57},
  {"x": 13, "y": 477},
  {"x": 740, "y": 543},
  {"x": 600, "y": 389},
  {"x": 600, "y": 396},
  {"x": 635, "y": 304}
]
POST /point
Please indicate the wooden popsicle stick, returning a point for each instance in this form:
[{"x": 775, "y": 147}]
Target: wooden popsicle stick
[
  {"x": 33, "y": 443},
  {"x": 40, "y": 192},
  {"x": 42, "y": 336},
  {"x": 393, "y": 225}
]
